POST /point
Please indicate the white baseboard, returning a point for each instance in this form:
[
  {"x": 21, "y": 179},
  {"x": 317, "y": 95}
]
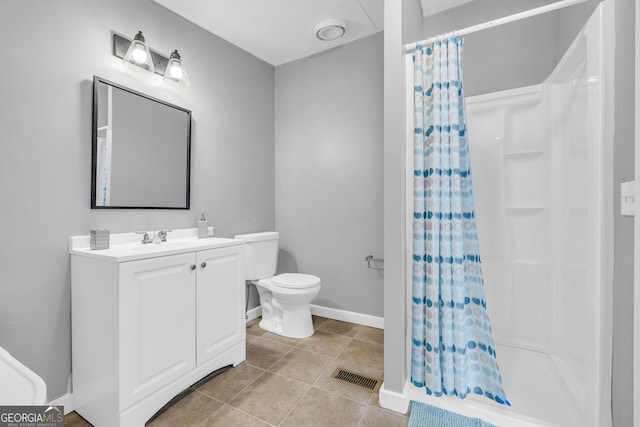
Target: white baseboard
[
  {"x": 254, "y": 313},
  {"x": 332, "y": 313},
  {"x": 66, "y": 401},
  {"x": 397, "y": 402},
  {"x": 348, "y": 316}
]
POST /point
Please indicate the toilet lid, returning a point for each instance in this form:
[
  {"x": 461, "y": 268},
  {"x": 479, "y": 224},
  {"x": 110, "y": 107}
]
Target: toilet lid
[{"x": 295, "y": 280}]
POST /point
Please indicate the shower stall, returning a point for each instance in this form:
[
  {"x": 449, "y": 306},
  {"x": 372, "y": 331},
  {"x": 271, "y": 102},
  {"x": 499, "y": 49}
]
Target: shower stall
[{"x": 542, "y": 168}]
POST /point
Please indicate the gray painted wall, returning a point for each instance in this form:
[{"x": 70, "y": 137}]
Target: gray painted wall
[
  {"x": 623, "y": 170},
  {"x": 411, "y": 21},
  {"x": 569, "y": 22},
  {"x": 328, "y": 114},
  {"x": 45, "y": 152},
  {"x": 529, "y": 45}
]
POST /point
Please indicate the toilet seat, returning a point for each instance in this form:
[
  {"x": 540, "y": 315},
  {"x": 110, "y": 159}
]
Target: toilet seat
[{"x": 295, "y": 281}]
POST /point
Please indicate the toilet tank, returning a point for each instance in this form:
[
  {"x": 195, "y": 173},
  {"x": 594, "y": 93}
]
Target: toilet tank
[{"x": 261, "y": 251}]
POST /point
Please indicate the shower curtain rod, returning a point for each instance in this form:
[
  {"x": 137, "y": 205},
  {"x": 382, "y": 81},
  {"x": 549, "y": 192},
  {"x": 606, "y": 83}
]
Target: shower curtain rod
[{"x": 411, "y": 47}]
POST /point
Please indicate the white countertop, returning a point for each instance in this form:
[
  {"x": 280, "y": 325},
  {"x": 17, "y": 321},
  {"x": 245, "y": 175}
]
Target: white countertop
[{"x": 128, "y": 246}]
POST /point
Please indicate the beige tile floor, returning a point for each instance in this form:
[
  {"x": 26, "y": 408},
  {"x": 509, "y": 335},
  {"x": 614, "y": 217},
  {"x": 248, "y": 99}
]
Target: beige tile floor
[{"x": 286, "y": 382}]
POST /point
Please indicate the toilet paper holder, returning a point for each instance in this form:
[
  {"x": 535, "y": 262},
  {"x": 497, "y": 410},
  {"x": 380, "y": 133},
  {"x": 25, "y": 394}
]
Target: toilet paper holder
[{"x": 374, "y": 263}]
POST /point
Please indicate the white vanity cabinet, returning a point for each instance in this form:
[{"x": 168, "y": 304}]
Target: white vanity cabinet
[
  {"x": 157, "y": 326},
  {"x": 217, "y": 304},
  {"x": 148, "y": 323}
]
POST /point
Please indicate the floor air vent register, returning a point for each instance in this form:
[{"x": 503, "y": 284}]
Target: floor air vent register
[{"x": 356, "y": 379}]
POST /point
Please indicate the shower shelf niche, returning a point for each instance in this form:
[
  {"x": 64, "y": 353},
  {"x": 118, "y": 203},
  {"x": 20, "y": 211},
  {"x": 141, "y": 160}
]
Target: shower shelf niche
[
  {"x": 524, "y": 208},
  {"x": 528, "y": 153}
]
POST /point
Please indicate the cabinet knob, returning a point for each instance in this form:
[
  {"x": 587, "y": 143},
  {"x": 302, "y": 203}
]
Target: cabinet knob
[
  {"x": 203, "y": 265},
  {"x": 193, "y": 266}
]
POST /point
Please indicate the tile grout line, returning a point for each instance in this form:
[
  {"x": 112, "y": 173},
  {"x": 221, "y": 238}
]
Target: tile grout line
[
  {"x": 210, "y": 397},
  {"x": 313, "y": 385},
  {"x": 295, "y": 405},
  {"x": 245, "y": 387},
  {"x": 324, "y": 354},
  {"x": 238, "y": 393},
  {"x": 252, "y": 416},
  {"x": 362, "y": 416},
  {"x": 280, "y": 358},
  {"x": 327, "y": 369},
  {"x": 333, "y": 360},
  {"x": 241, "y": 411},
  {"x": 345, "y": 347},
  {"x": 311, "y": 351}
]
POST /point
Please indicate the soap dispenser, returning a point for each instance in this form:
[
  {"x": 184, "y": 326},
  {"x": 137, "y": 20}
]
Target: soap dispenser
[{"x": 203, "y": 227}]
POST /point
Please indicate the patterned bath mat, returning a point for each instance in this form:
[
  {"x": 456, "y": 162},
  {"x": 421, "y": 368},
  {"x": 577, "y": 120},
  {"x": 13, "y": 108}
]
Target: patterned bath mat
[{"x": 423, "y": 415}]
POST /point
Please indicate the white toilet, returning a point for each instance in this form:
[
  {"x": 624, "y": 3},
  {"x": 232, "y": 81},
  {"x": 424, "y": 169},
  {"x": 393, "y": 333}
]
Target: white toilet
[{"x": 285, "y": 298}]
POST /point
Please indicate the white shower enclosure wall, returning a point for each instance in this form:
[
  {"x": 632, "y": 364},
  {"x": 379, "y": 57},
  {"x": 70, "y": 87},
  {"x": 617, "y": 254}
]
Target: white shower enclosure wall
[{"x": 542, "y": 172}]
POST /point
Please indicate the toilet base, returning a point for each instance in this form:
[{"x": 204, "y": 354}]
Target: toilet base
[
  {"x": 295, "y": 322},
  {"x": 286, "y": 312}
]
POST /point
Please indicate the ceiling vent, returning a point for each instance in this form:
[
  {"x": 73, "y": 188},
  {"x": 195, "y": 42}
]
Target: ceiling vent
[{"x": 331, "y": 29}]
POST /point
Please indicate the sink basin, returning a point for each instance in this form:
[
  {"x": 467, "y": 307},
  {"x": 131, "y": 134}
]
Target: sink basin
[
  {"x": 168, "y": 245},
  {"x": 19, "y": 385}
]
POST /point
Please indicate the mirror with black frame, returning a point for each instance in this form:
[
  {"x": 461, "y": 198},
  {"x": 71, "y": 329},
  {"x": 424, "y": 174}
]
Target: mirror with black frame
[{"x": 141, "y": 150}]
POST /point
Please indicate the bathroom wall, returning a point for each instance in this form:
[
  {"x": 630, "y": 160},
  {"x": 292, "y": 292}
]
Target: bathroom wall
[
  {"x": 45, "y": 151},
  {"x": 329, "y": 200},
  {"x": 569, "y": 22},
  {"x": 528, "y": 45},
  {"x": 623, "y": 170},
  {"x": 412, "y": 21}
]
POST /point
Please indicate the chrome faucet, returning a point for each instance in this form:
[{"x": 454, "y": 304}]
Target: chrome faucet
[{"x": 160, "y": 236}]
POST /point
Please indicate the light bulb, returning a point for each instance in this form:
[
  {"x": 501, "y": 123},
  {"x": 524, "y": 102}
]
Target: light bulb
[
  {"x": 175, "y": 72},
  {"x": 138, "y": 56}
]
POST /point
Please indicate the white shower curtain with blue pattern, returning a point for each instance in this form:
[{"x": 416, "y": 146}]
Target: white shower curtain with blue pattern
[{"x": 453, "y": 352}]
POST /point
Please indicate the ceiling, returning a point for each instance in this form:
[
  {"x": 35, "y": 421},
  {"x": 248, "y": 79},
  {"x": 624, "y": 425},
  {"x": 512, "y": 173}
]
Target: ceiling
[
  {"x": 281, "y": 31},
  {"x": 431, "y": 7}
]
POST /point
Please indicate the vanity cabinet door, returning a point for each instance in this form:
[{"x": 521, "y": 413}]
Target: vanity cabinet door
[
  {"x": 156, "y": 299},
  {"x": 220, "y": 301}
]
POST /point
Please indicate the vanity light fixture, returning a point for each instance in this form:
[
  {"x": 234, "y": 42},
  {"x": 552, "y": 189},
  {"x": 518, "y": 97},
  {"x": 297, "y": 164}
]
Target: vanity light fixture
[
  {"x": 137, "y": 55},
  {"x": 175, "y": 72},
  {"x": 331, "y": 29}
]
